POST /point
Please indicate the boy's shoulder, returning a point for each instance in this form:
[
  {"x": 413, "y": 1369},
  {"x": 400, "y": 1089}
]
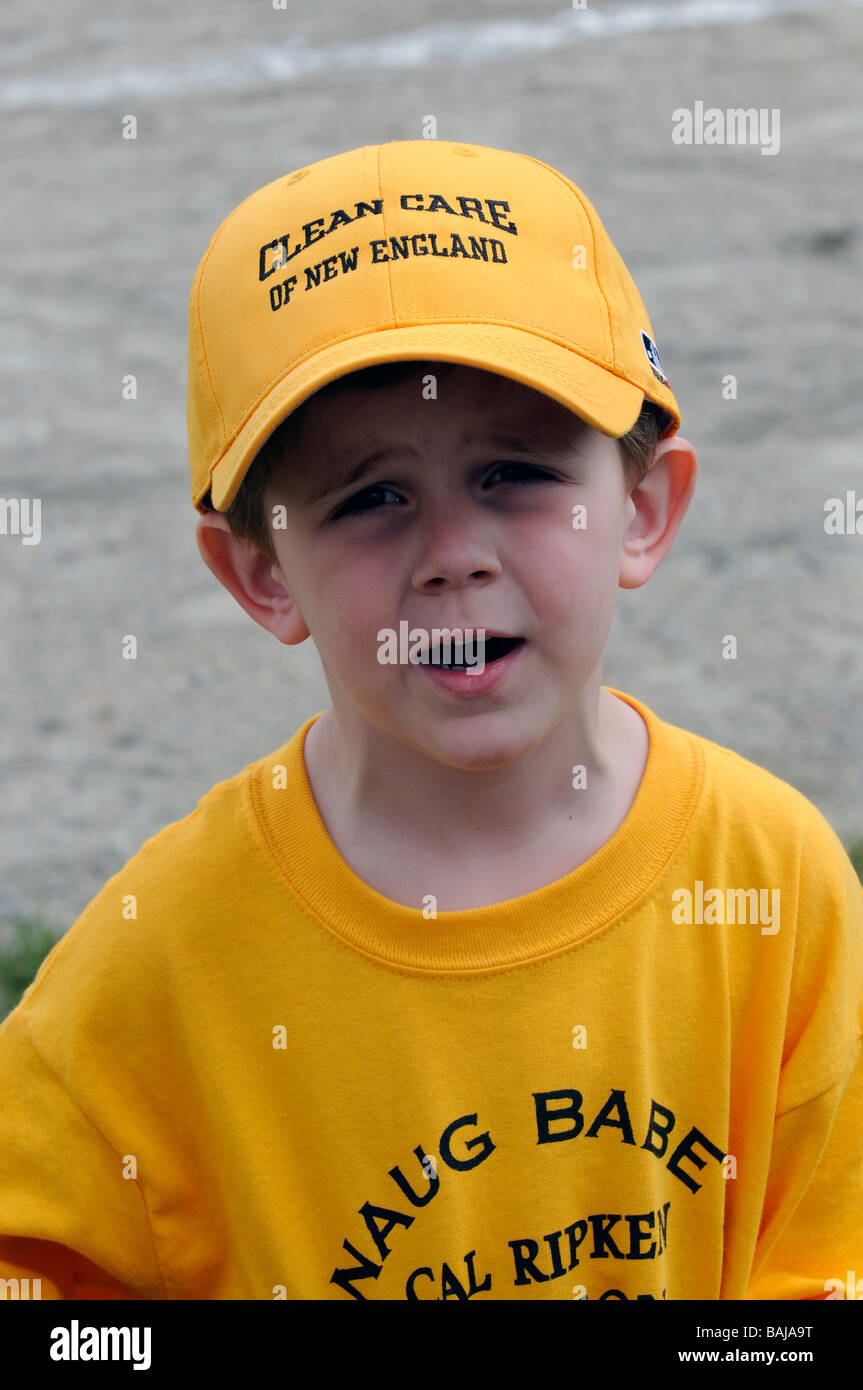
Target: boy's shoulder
[
  {"x": 746, "y": 798},
  {"x": 214, "y": 838},
  {"x": 166, "y": 900},
  {"x": 740, "y": 826}
]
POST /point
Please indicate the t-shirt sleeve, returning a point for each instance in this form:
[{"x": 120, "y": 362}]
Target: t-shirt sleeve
[
  {"x": 812, "y": 1227},
  {"x": 811, "y": 1231},
  {"x": 69, "y": 1217}
]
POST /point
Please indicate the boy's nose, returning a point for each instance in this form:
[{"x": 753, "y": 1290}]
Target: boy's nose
[{"x": 455, "y": 550}]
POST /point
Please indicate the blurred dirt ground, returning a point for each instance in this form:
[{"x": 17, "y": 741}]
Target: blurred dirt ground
[{"x": 748, "y": 265}]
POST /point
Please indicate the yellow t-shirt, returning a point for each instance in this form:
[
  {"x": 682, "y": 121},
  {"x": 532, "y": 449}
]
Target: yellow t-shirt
[{"x": 244, "y": 1074}]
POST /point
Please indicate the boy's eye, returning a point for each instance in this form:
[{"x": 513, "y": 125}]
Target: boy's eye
[
  {"x": 364, "y": 501},
  {"x": 358, "y": 503},
  {"x": 534, "y": 475}
]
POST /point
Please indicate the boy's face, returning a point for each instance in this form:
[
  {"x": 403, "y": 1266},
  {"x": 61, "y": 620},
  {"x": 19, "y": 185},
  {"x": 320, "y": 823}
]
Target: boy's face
[{"x": 452, "y": 530}]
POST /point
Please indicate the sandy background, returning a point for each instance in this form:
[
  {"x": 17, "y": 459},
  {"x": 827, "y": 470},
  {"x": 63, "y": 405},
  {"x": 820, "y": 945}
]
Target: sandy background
[{"x": 748, "y": 264}]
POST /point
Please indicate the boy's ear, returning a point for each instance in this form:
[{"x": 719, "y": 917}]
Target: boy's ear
[
  {"x": 247, "y": 573},
  {"x": 655, "y": 510}
]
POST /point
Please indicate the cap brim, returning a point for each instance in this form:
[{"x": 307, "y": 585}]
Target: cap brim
[{"x": 608, "y": 402}]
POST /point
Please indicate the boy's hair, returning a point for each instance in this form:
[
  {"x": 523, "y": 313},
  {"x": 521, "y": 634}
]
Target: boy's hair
[{"x": 245, "y": 515}]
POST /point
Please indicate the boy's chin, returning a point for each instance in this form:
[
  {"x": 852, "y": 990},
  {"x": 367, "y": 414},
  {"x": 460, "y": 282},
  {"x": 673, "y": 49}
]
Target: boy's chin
[{"x": 473, "y": 742}]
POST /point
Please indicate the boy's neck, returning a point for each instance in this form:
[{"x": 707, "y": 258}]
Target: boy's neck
[{"x": 489, "y": 836}]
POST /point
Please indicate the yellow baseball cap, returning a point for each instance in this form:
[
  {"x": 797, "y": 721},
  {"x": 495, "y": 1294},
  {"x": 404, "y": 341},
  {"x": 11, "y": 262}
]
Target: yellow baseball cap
[{"x": 410, "y": 250}]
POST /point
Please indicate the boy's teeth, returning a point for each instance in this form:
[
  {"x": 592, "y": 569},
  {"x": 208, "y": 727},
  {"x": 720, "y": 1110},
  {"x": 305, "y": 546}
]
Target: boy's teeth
[
  {"x": 458, "y": 662},
  {"x": 484, "y": 651}
]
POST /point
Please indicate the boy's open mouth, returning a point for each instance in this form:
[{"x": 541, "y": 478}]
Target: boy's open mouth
[{"x": 488, "y": 651}]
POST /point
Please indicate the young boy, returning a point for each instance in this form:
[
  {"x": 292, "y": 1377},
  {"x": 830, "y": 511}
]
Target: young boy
[{"x": 489, "y": 983}]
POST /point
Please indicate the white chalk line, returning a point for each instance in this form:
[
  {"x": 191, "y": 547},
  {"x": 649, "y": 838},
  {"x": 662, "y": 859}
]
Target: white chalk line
[{"x": 466, "y": 44}]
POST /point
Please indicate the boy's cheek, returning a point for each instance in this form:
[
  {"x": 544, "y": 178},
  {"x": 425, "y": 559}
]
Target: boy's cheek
[{"x": 578, "y": 568}]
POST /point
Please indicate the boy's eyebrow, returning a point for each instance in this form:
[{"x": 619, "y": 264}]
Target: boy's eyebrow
[{"x": 521, "y": 444}]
